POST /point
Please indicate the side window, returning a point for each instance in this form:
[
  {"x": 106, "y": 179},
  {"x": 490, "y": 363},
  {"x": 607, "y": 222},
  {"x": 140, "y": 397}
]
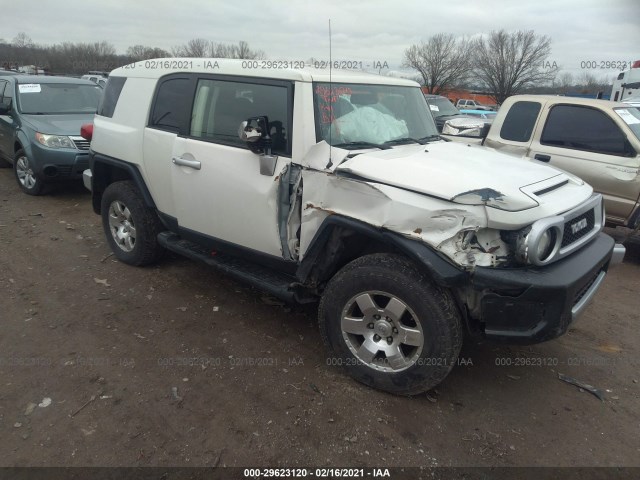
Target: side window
[
  {"x": 110, "y": 96},
  {"x": 220, "y": 107},
  {"x": 583, "y": 128},
  {"x": 172, "y": 101},
  {"x": 520, "y": 121}
]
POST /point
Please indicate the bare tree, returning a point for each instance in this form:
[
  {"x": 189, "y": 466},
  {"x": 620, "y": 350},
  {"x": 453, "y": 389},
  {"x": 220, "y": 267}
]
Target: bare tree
[
  {"x": 565, "y": 81},
  {"x": 507, "y": 63},
  {"x": 102, "y": 49},
  {"x": 443, "y": 61},
  {"x": 590, "y": 84},
  {"x": 196, "y": 47},
  {"x": 241, "y": 50},
  {"x": 199, "y": 47},
  {"x": 142, "y": 52},
  {"x": 22, "y": 40}
]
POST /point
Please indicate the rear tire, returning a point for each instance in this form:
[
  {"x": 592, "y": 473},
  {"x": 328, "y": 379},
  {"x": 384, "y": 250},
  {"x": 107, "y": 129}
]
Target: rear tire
[
  {"x": 389, "y": 325},
  {"x": 130, "y": 226}
]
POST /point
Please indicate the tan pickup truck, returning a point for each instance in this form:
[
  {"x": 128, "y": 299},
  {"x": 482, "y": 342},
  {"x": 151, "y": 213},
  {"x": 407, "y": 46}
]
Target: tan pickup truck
[{"x": 596, "y": 140}]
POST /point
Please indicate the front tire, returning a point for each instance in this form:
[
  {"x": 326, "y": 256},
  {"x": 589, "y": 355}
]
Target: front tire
[
  {"x": 389, "y": 325},
  {"x": 130, "y": 226},
  {"x": 27, "y": 180}
]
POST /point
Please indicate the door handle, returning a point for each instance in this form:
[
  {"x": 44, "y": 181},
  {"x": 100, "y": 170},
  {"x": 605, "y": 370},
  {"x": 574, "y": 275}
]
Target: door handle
[
  {"x": 186, "y": 163},
  {"x": 542, "y": 158}
]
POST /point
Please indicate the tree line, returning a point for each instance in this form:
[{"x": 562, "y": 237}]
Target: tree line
[
  {"x": 69, "y": 58},
  {"x": 501, "y": 63}
]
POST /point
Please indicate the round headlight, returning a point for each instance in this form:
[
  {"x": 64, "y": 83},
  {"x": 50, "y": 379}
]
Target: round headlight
[{"x": 545, "y": 244}]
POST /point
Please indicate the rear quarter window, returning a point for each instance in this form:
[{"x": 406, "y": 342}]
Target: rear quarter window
[
  {"x": 520, "y": 121},
  {"x": 110, "y": 96},
  {"x": 172, "y": 104}
]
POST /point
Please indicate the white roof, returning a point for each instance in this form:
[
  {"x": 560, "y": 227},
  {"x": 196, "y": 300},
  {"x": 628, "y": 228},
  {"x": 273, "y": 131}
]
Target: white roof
[{"x": 159, "y": 67}]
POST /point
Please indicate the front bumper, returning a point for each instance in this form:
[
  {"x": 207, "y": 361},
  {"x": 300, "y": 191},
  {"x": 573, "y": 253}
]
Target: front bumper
[
  {"x": 536, "y": 304},
  {"x": 52, "y": 164}
]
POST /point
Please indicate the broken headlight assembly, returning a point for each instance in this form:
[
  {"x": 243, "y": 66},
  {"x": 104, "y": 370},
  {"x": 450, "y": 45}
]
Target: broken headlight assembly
[
  {"x": 550, "y": 239},
  {"x": 537, "y": 244}
]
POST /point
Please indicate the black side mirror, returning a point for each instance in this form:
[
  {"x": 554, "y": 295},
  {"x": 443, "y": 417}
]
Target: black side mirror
[
  {"x": 255, "y": 131},
  {"x": 485, "y": 131},
  {"x": 5, "y": 108}
]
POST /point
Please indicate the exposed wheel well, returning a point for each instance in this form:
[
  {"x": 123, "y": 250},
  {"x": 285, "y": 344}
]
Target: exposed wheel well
[
  {"x": 106, "y": 172},
  {"x": 341, "y": 240}
]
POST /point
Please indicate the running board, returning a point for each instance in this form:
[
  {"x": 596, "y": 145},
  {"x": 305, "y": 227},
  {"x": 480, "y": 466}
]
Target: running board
[{"x": 270, "y": 281}]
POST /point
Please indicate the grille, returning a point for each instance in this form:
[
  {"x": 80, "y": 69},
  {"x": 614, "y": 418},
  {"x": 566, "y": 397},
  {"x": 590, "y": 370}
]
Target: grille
[
  {"x": 64, "y": 170},
  {"x": 569, "y": 236},
  {"x": 80, "y": 143}
]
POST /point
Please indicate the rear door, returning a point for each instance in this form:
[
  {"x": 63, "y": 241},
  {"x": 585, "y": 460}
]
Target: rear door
[{"x": 587, "y": 142}]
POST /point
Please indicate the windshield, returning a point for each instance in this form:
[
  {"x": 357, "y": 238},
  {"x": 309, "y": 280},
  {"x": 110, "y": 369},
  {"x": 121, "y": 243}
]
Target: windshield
[
  {"x": 58, "y": 98},
  {"x": 631, "y": 116},
  {"x": 440, "y": 106},
  {"x": 350, "y": 115}
]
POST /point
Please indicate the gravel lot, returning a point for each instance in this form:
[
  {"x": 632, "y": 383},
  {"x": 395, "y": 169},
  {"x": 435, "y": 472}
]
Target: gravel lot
[{"x": 102, "y": 364}]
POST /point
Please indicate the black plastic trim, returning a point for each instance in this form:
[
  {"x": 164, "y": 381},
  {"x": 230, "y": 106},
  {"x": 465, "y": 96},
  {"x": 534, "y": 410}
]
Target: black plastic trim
[
  {"x": 217, "y": 244},
  {"x": 279, "y": 285},
  {"x": 533, "y": 304},
  {"x": 100, "y": 182},
  {"x": 439, "y": 268}
]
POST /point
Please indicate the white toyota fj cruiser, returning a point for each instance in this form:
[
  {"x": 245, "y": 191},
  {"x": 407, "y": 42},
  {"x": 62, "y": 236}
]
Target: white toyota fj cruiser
[{"x": 336, "y": 186}]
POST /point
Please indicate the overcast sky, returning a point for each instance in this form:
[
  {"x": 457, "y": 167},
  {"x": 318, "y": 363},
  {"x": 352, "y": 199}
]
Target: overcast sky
[{"x": 581, "y": 30}]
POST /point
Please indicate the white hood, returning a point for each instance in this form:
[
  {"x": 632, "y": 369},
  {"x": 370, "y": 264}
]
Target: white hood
[{"x": 456, "y": 172}]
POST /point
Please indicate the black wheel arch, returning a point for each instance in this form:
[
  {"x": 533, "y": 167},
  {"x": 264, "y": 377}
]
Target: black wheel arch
[
  {"x": 339, "y": 240},
  {"x": 105, "y": 170}
]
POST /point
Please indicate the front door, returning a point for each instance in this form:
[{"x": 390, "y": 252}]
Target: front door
[
  {"x": 217, "y": 185},
  {"x": 588, "y": 143}
]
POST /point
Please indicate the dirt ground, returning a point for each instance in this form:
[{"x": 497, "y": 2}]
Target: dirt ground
[{"x": 102, "y": 364}]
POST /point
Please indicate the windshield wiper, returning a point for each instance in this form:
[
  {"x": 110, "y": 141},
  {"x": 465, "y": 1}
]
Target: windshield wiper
[
  {"x": 362, "y": 144},
  {"x": 404, "y": 140},
  {"x": 431, "y": 138}
]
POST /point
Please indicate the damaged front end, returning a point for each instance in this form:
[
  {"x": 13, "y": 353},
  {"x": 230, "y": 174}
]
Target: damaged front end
[{"x": 461, "y": 234}]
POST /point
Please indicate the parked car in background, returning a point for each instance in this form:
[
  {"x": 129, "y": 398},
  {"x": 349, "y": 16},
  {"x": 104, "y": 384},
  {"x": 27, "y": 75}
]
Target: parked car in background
[
  {"x": 597, "y": 140},
  {"x": 485, "y": 114},
  {"x": 466, "y": 104},
  {"x": 40, "y": 120},
  {"x": 96, "y": 76},
  {"x": 466, "y": 126},
  {"x": 443, "y": 110}
]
